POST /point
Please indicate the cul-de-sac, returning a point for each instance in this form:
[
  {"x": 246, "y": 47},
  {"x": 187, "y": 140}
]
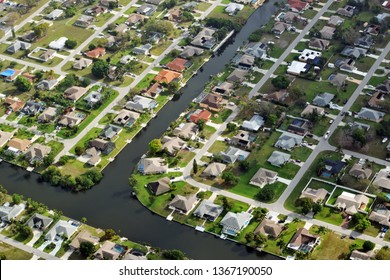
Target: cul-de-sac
[{"x": 206, "y": 129}]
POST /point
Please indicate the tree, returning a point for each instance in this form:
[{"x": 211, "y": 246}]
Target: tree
[
  {"x": 231, "y": 127},
  {"x": 155, "y": 146},
  {"x": 100, "y": 69},
  {"x": 41, "y": 29},
  {"x": 280, "y": 82},
  {"x": 244, "y": 165},
  {"x": 169, "y": 4},
  {"x": 83, "y": 220},
  {"x": 16, "y": 198},
  {"x": 86, "y": 248},
  {"x": 229, "y": 178},
  {"x": 173, "y": 255},
  {"x": 132, "y": 181},
  {"x": 79, "y": 150},
  {"x": 187, "y": 16},
  {"x": 359, "y": 135},
  {"x": 70, "y": 11},
  {"x": 363, "y": 224},
  {"x": 70, "y": 44},
  {"x": 108, "y": 234},
  {"x": 227, "y": 204},
  {"x": 161, "y": 26},
  {"x": 368, "y": 246},
  {"x": 94, "y": 175},
  {"x": 48, "y": 160},
  {"x": 23, "y": 84},
  {"x": 306, "y": 205},
  {"x": 317, "y": 207},
  {"x": 195, "y": 167},
  {"x": 173, "y": 87},
  {"x": 201, "y": 123},
  {"x": 266, "y": 194}
]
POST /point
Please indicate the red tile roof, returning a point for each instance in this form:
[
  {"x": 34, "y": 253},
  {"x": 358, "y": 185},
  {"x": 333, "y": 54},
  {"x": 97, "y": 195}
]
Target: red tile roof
[
  {"x": 95, "y": 53},
  {"x": 202, "y": 115},
  {"x": 178, "y": 64},
  {"x": 297, "y": 4}
]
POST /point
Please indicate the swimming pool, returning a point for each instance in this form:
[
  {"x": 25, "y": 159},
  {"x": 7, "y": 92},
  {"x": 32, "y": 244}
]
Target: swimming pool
[{"x": 118, "y": 248}]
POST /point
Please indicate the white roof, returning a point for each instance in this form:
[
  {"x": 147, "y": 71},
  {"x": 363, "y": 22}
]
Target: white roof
[
  {"x": 296, "y": 67},
  {"x": 309, "y": 54},
  {"x": 58, "y": 44}
]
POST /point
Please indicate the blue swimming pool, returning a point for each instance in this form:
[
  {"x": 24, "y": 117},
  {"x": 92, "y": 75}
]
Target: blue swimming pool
[{"x": 119, "y": 248}]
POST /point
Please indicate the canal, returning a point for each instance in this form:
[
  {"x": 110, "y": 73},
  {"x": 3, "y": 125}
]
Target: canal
[{"x": 109, "y": 204}]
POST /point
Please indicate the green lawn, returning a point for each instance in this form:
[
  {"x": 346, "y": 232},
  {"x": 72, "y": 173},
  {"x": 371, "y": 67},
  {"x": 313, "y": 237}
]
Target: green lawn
[
  {"x": 160, "y": 48},
  {"x": 186, "y": 158},
  {"x": 203, "y": 6},
  {"x": 238, "y": 206},
  {"x": 92, "y": 134},
  {"x": 218, "y": 146},
  {"x": 221, "y": 116},
  {"x": 208, "y": 131},
  {"x": 329, "y": 215},
  {"x": 243, "y": 15},
  {"x": 13, "y": 253},
  {"x": 74, "y": 167},
  {"x": 301, "y": 153}
]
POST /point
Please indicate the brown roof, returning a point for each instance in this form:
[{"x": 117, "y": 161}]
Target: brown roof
[
  {"x": 302, "y": 236},
  {"x": 160, "y": 186},
  {"x": 153, "y": 90},
  {"x": 178, "y": 64},
  {"x": 37, "y": 151},
  {"x": 167, "y": 76},
  {"x": 134, "y": 18},
  {"x": 14, "y": 103},
  {"x": 74, "y": 93},
  {"x": 359, "y": 172},
  {"x": 83, "y": 236},
  {"x": 314, "y": 194},
  {"x": 212, "y": 101},
  {"x": 95, "y": 53},
  {"x": 4, "y": 137},
  {"x": 279, "y": 95},
  {"x": 201, "y": 115},
  {"x": 269, "y": 227},
  {"x": 19, "y": 144}
]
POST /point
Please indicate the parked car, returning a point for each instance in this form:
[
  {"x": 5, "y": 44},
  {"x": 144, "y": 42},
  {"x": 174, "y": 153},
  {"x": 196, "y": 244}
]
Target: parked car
[{"x": 327, "y": 134}]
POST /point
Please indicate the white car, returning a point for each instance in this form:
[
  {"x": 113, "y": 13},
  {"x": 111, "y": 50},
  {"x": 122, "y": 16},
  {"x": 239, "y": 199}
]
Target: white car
[
  {"x": 384, "y": 140},
  {"x": 382, "y": 234},
  {"x": 327, "y": 134}
]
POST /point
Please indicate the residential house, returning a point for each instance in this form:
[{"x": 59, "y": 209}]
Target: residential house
[
  {"x": 381, "y": 216},
  {"x": 263, "y": 177},
  {"x": 365, "y": 41},
  {"x": 233, "y": 223},
  {"x": 9, "y": 213},
  {"x": 352, "y": 203},
  {"x": 232, "y": 154},
  {"x": 347, "y": 11},
  {"x": 17, "y": 145},
  {"x": 84, "y": 21},
  {"x": 269, "y": 228},
  {"x": 29, "y": 37},
  {"x": 37, "y": 152},
  {"x": 310, "y": 109},
  {"x": 93, "y": 98},
  {"x": 327, "y": 32},
  {"x": 288, "y": 141},
  {"x": 18, "y": 45},
  {"x": 152, "y": 166},
  {"x": 203, "y": 115},
  {"x": 372, "y": 29},
  {"x": 232, "y": 8},
  {"x": 358, "y": 125},
  {"x": 153, "y": 91},
  {"x": 243, "y": 139},
  {"x": 358, "y": 255},
  {"x": 127, "y": 59},
  {"x": 278, "y": 159},
  {"x": 254, "y": 124},
  {"x": 147, "y": 10},
  {"x": 208, "y": 210},
  {"x": 381, "y": 17},
  {"x": 126, "y": 117},
  {"x": 298, "y": 68},
  {"x": 121, "y": 28},
  {"x": 279, "y": 28},
  {"x": 360, "y": 172},
  {"x": 109, "y": 251},
  {"x": 332, "y": 168},
  {"x": 237, "y": 76},
  {"x": 101, "y": 145},
  {"x": 10, "y": 75},
  {"x": 14, "y": 104},
  {"x": 172, "y": 145},
  {"x": 175, "y": 15},
  {"x": 32, "y": 108},
  {"x": 224, "y": 88},
  {"x": 382, "y": 180},
  {"x": 74, "y": 93},
  {"x": 377, "y": 100},
  {"x": 168, "y": 76},
  {"x": 48, "y": 115},
  {"x": 110, "y": 131},
  {"x": 297, "y": 5},
  {"x": 353, "y": 52},
  {"x": 316, "y": 195},
  {"x": 205, "y": 39},
  {"x": 55, "y": 14},
  {"x": 258, "y": 50},
  {"x": 299, "y": 126},
  {"x": 47, "y": 84},
  {"x": 96, "y": 11},
  {"x": 178, "y": 64},
  {"x": 96, "y": 53},
  {"x": 212, "y": 102},
  {"x": 277, "y": 96},
  {"x": 335, "y": 21},
  {"x": 290, "y": 17},
  {"x": 58, "y": 44},
  {"x": 4, "y": 137},
  {"x": 338, "y": 80},
  {"x": 141, "y": 104},
  {"x": 323, "y": 99},
  {"x": 160, "y": 186},
  {"x": 319, "y": 44},
  {"x": 38, "y": 221},
  {"x": 384, "y": 87},
  {"x": 371, "y": 115},
  {"x": 83, "y": 236},
  {"x": 183, "y": 204},
  {"x": 310, "y": 56},
  {"x": 155, "y": 37},
  {"x": 71, "y": 119},
  {"x": 93, "y": 156},
  {"x": 143, "y": 49},
  {"x": 303, "y": 241},
  {"x": 47, "y": 55},
  {"x": 214, "y": 169},
  {"x": 245, "y": 62},
  {"x": 134, "y": 19},
  {"x": 61, "y": 229},
  {"x": 186, "y": 130},
  {"x": 190, "y": 51},
  {"x": 82, "y": 63}
]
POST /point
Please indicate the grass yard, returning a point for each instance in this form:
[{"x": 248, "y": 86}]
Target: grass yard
[
  {"x": 238, "y": 206},
  {"x": 74, "y": 167},
  {"x": 187, "y": 156},
  {"x": 301, "y": 153},
  {"x": 208, "y": 131},
  {"x": 160, "y": 48},
  {"x": 329, "y": 215},
  {"x": 243, "y": 15},
  {"x": 145, "y": 82},
  {"x": 221, "y": 116},
  {"x": 218, "y": 146},
  {"x": 92, "y": 134},
  {"x": 203, "y": 6},
  {"x": 13, "y": 253}
]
